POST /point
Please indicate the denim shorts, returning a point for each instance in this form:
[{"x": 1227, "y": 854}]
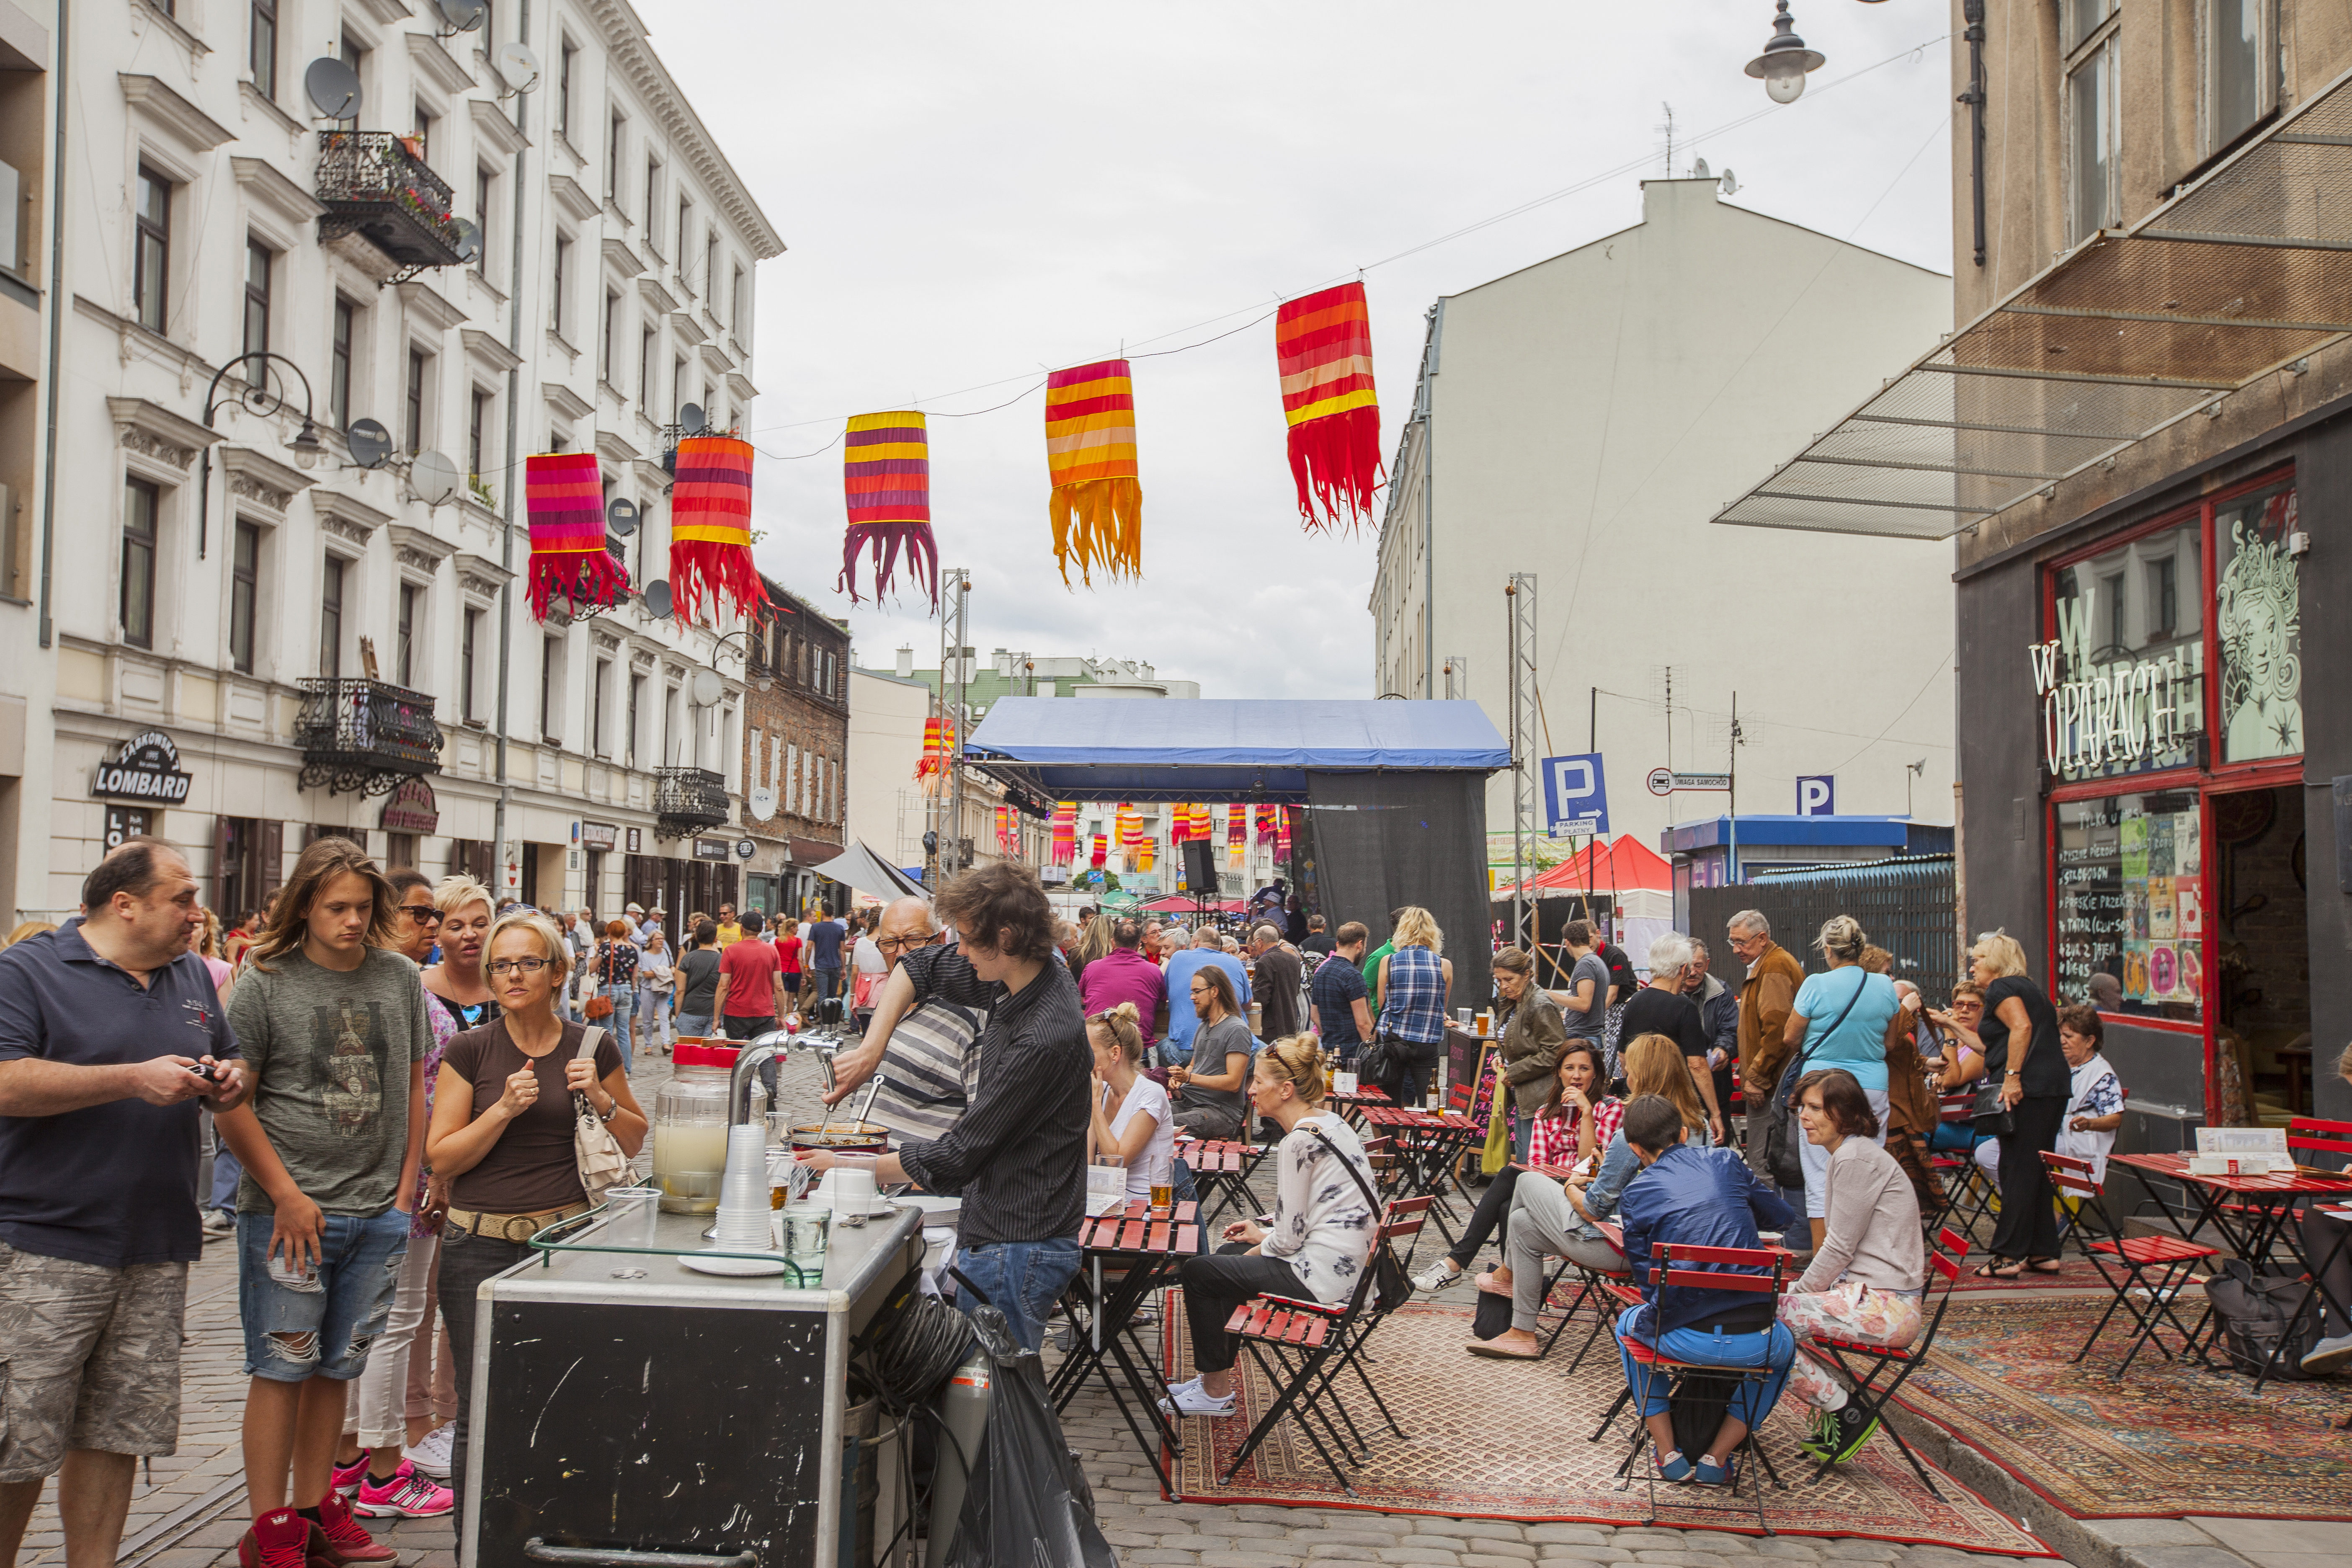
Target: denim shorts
[{"x": 322, "y": 1324}]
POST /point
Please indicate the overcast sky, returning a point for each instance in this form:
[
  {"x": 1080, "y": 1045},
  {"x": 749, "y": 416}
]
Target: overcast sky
[{"x": 975, "y": 194}]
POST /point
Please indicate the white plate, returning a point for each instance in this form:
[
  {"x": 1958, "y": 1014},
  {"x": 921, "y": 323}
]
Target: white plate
[{"x": 739, "y": 1268}]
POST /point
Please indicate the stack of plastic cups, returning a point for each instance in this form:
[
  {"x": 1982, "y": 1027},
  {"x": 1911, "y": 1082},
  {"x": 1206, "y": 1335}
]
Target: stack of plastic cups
[{"x": 743, "y": 1193}]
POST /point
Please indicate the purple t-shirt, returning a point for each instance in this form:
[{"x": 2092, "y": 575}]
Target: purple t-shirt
[{"x": 1123, "y": 974}]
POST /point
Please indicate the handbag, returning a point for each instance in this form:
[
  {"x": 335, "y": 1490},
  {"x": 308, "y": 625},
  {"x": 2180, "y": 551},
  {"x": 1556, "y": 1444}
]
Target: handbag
[
  {"x": 594, "y": 1151},
  {"x": 1988, "y": 1115},
  {"x": 1780, "y": 1138}
]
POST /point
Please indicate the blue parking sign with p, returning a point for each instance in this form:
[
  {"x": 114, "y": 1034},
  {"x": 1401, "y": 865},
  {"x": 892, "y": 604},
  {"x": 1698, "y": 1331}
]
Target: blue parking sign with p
[{"x": 1575, "y": 796}]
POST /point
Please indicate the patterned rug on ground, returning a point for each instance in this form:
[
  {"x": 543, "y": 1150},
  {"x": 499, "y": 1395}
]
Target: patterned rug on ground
[
  {"x": 2169, "y": 1440},
  {"x": 1498, "y": 1439}
]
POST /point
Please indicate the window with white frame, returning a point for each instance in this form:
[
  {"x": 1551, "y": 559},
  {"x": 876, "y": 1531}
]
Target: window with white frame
[{"x": 2092, "y": 117}]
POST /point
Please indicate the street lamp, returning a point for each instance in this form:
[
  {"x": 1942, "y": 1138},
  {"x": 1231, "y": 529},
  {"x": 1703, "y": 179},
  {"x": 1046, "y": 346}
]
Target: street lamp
[
  {"x": 265, "y": 396},
  {"x": 1785, "y": 59}
]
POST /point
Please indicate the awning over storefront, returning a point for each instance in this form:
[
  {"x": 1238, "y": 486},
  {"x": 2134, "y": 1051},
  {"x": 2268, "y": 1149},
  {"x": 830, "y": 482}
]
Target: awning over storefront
[
  {"x": 867, "y": 872},
  {"x": 1050, "y": 749},
  {"x": 2241, "y": 275}
]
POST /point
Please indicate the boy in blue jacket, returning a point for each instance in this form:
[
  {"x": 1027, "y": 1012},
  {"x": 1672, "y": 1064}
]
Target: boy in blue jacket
[{"x": 1697, "y": 1197}]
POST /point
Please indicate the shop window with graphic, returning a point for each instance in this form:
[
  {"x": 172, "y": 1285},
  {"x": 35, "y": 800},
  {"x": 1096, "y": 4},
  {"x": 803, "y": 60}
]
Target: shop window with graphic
[
  {"x": 2258, "y": 622},
  {"x": 2130, "y": 901},
  {"x": 2122, "y": 681}
]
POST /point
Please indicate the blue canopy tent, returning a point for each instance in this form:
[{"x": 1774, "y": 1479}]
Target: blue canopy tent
[{"x": 1394, "y": 792}]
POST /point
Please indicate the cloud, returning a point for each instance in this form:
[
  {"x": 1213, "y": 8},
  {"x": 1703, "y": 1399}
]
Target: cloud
[{"x": 973, "y": 194}]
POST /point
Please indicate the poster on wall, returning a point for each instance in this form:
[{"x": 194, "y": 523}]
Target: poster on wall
[
  {"x": 2161, "y": 921},
  {"x": 2191, "y": 903},
  {"x": 2258, "y": 615}
]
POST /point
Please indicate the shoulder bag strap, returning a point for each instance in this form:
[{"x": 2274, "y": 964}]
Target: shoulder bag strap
[
  {"x": 1346, "y": 1164},
  {"x": 1840, "y": 1021},
  {"x": 588, "y": 1041}
]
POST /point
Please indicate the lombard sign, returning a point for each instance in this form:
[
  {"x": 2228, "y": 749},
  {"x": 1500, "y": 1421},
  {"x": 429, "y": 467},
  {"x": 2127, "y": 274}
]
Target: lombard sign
[
  {"x": 145, "y": 767},
  {"x": 2113, "y": 718}
]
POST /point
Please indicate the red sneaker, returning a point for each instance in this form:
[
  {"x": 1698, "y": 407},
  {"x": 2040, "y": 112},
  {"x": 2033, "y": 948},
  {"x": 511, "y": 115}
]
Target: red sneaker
[
  {"x": 278, "y": 1539},
  {"x": 347, "y": 1539}
]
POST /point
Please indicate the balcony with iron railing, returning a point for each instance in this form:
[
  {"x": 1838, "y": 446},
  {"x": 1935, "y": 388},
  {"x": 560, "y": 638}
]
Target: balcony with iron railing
[
  {"x": 364, "y": 736},
  {"x": 687, "y": 800},
  {"x": 376, "y": 183}
]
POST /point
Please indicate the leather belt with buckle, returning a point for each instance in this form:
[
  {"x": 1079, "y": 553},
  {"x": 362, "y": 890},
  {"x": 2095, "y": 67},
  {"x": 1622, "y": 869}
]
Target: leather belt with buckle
[{"x": 516, "y": 1228}]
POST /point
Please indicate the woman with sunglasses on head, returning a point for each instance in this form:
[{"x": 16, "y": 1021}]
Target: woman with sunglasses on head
[
  {"x": 503, "y": 1124},
  {"x": 370, "y": 1465}
]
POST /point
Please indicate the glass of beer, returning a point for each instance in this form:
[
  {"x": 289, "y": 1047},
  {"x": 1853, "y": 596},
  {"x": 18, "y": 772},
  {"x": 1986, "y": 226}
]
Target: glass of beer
[{"x": 1163, "y": 1196}]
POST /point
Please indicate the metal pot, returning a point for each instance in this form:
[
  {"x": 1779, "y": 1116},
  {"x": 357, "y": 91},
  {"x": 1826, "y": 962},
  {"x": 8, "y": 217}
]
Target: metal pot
[{"x": 842, "y": 1137}]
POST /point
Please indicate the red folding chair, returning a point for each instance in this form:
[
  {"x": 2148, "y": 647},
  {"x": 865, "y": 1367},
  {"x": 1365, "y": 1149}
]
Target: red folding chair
[
  {"x": 1970, "y": 1195},
  {"x": 2171, "y": 1258},
  {"x": 1877, "y": 1361},
  {"x": 1750, "y": 1269},
  {"x": 1303, "y": 1347}
]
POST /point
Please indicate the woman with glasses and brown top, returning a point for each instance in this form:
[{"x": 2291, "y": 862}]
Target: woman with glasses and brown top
[{"x": 501, "y": 1128}]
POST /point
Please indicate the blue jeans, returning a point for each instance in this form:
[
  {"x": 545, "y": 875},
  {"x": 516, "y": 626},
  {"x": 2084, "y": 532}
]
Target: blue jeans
[
  {"x": 620, "y": 1024},
  {"x": 1707, "y": 1347},
  {"x": 320, "y": 1323},
  {"x": 828, "y": 982},
  {"x": 693, "y": 1025},
  {"x": 226, "y": 1172},
  {"x": 1023, "y": 1279}
]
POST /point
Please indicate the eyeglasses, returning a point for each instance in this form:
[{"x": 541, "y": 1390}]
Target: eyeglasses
[
  {"x": 423, "y": 914},
  {"x": 517, "y": 965},
  {"x": 903, "y": 943}
]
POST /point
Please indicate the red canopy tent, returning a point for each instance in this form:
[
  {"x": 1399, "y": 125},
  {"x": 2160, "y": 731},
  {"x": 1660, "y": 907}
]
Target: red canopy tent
[
  {"x": 1624, "y": 866},
  {"x": 1185, "y": 904}
]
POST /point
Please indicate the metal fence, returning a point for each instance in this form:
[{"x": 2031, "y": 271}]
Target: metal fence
[{"x": 1905, "y": 906}]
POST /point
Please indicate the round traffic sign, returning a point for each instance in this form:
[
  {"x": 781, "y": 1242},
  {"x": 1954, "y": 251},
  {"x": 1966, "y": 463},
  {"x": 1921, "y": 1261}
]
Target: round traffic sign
[{"x": 1662, "y": 780}]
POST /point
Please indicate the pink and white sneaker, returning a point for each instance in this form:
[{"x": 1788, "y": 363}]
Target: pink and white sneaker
[
  {"x": 349, "y": 1476},
  {"x": 407, "y": 1493}
]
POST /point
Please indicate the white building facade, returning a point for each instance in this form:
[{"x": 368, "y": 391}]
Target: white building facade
[
  {"x": 1580, "y": 420},
  {"x": 253, "y": 645}
]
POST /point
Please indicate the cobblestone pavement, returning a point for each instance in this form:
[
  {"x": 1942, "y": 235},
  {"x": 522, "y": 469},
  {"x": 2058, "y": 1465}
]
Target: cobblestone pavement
[{"x": 190, "y": 1513}]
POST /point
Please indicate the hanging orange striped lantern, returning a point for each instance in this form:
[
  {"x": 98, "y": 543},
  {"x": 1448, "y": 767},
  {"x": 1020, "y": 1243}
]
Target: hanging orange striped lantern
[
  {"x": 1266, "y": 828},
  {"x": 1323, "y": 344},
  {"x": 1098, "y": 503},
  {"x": 1102, "y": 851},
  {"x": 939, "y": 747},
  {"x": 570, "y": 569},
  {"x": 1066, "y": 832},
  {"x": 1236, "y": 836},
  {"x": 710, "y": 527},
  {"x": 1282, "y": 834},
  {"x": 1147, "y": 857},
  {"x": 887, "y": 482}
]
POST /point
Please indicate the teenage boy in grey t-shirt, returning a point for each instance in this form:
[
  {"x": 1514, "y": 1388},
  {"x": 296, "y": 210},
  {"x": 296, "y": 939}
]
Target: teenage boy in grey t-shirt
[{"x": 335, "y": 1032}]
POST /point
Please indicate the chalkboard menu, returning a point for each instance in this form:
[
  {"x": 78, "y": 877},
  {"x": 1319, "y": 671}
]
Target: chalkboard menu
[{"x": 2131, "y": 901}]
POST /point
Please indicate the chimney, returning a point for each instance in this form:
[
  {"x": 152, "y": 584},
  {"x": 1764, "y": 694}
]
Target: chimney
[
  {"x": 1003, "y": 662},
  {"x": 905, "y": 661}
]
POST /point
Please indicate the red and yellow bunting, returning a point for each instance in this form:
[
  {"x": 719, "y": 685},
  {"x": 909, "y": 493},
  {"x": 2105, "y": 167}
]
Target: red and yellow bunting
[
  {"x": 886, "y": 480},
  {"x": 570, "y": 569},
  {"x": 1096, "y": 506},
  {"x": 710, "y": 527},
  {"x": 1323, "y": 344}
]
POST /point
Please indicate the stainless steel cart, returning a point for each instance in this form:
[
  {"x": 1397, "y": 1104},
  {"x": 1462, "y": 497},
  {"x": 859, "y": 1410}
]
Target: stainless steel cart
[{"x": 631, "y": 1413}]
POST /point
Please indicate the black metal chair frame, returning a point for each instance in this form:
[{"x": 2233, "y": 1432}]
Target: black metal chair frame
[
  {"x": 2175, "y": 1258},
  {"x": 1862, "y": 1388}
]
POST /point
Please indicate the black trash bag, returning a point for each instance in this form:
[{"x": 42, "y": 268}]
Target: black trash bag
[
  {"x": 1027, "y": 1502},
  {"x": 2258, "y": 1312}
]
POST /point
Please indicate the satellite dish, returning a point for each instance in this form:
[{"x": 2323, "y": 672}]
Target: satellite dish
[
  {"x": 689, "y": 418},
  {"x": 1700, "y": 171},
  {"x": 434, "y": 478},
  {"x": 470, "y": 241},
  {"x": 369, "y": 443},
  {"x": 462, "y": 15},
  {"x": 707, "y": 688},
  {"x": 333, "y": 88},
  {"x": 1731, "y": 184},
  {"x": 621, "y": 516},
  {"x": 657, "y": 599},
  {"x": 517, "y": 66}
]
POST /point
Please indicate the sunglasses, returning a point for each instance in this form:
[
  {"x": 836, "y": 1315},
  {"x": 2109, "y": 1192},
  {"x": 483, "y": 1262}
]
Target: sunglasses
[{"x": 423, "y": 914}]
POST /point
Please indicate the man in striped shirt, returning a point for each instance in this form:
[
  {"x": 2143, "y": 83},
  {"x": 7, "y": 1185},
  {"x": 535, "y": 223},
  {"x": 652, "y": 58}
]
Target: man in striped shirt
[{"x": 932, "y": 1054}]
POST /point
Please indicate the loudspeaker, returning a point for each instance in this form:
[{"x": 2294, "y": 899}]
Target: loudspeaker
[{"x": 1199, "y": 873}]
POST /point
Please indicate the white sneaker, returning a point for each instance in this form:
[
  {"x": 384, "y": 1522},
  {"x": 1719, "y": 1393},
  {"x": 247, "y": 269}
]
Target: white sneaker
[
  {"x": 432, "y": 1455},
  {"x": 2327, "y": 1355},
  {"x": 1437, "y": 1276},
  {"x": 219, "y": 1224},
  {"x": 1189, "y": 1399}
]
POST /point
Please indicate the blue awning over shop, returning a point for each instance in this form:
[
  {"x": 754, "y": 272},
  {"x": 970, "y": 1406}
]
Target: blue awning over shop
[{"x": 1060, "y": 748}]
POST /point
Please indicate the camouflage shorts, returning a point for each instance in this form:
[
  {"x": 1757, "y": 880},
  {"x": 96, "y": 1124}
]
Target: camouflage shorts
[{"x": 89, "y": 1358}]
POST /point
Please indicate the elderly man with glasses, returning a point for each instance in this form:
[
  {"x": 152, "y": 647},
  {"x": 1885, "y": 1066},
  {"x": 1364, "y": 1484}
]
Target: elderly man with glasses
[{"x": 929, "y": 1059}]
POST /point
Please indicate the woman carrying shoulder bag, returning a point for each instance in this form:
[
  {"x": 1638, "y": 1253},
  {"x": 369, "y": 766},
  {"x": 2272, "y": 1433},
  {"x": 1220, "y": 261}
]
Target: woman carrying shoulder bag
[
  {"x": 1838, "y": 1020},
  {"x": 2020, "y": 1045},
  {"x": 506, "y": 1130}
]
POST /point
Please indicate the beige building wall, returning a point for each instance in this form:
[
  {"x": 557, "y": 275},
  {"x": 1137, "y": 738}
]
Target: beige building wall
[
  {"x": 1587, "y": 416},
  {"x": 885, "y": 741}
]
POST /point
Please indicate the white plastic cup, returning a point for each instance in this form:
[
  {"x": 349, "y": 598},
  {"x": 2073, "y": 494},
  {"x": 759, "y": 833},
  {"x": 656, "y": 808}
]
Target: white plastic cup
[
  {"x": 629, "y": 1214},
  {"x": 747, "y": 1150},
  {"x": 853, "y": 1189}
]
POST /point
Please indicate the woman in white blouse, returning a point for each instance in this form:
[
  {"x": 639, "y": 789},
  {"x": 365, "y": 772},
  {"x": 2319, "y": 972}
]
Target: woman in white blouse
[
  {"x": 1131, "y": 1116},
  {"x": 1321, "y": 1236}
]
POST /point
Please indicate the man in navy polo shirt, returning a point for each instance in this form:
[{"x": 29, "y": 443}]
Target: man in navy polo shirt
[
  {"x": 824, "y": 937},
  {"x": 102, "y": 1024}
]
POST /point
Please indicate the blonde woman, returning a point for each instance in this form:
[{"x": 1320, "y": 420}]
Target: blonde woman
[
  {"x": 501, "y": 1134},
  {"x": 1415, "y": 985},
  {"x": 1131, "y": 1116},
  {"x": 2021, "y": 1049},
  {"x": 1322, "y": 1230}
]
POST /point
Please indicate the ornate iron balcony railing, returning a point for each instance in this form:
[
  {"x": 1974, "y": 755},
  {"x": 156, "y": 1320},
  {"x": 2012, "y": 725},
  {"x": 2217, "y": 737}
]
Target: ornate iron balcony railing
[
  {"x": 364, "y": 736},
  {"x": 371, "y": 183},
  {"x": 687, "y": 800}
]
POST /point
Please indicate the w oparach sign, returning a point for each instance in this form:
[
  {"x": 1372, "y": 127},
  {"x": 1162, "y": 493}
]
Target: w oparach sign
[{"x": 145, "y": 767}]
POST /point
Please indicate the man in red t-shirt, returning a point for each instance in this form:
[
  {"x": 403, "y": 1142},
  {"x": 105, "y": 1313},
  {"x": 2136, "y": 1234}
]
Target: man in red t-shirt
[
  {"x": 751, "y": 988},
  {"x": 788, "y": 954}
]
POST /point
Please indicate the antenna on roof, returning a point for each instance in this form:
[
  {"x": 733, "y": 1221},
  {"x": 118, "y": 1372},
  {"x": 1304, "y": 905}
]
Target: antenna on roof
[{"x": 1668, "y": 127}]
